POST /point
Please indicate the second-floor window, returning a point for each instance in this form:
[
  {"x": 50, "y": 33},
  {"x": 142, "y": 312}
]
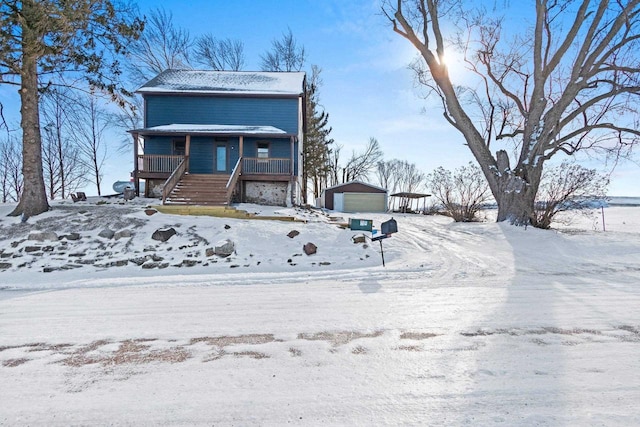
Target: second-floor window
[{"x": 263, "y": 150}]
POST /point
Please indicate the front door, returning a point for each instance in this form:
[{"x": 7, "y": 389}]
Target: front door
[{"x": 220, "y": 157}]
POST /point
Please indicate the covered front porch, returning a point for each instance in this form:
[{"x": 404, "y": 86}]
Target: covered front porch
[{"x": 165, "y": 154}]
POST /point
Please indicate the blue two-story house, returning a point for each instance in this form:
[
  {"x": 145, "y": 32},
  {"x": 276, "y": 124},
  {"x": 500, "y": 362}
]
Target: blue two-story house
[{"x": 214, "y": 137}]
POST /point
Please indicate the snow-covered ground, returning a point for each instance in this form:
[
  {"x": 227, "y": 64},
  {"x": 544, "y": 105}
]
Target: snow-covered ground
[{"x": 468, "y": 324}]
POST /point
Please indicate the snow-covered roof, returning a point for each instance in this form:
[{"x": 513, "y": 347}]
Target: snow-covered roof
[
  {"x": 194, "y": 129},
  {"x": 226, "y": 82},
  {"x": 356, "y": 182}
]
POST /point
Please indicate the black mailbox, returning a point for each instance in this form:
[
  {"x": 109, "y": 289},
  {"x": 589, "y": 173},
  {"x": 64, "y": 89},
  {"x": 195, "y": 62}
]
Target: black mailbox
[{"x": 389, "y": 227}]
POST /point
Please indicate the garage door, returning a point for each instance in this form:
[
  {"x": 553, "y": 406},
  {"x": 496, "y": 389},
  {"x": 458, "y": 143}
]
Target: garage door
[{"x": 365, "y": 202}]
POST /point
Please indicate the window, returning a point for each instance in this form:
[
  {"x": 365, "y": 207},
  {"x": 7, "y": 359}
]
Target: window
[
  {"x": 263, "y": 150},
  {"x": 179, "y": 147}
]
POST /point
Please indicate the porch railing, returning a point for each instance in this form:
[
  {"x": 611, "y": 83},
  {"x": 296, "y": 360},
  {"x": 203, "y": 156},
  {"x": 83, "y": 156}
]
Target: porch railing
[
  {"x": 158, "y": 163},
  {"x": 174, "y": 179},
  {"x": 233, "y": 180},
  {"x": 270, "y": 166}
]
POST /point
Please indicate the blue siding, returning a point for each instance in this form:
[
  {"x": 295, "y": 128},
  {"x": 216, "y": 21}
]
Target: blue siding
[
  {"x": 280, "y": 112},
  {"x": 158, "y": 145},
  {"x": 201, "y": 155}
]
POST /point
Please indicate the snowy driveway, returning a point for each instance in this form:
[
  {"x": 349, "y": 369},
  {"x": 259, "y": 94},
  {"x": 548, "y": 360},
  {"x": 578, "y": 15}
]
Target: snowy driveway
[{"x": 476, "y": 324}]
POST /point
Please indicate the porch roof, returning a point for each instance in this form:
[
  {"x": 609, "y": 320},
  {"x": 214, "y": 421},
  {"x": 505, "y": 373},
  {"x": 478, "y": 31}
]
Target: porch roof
[{"x": 213, "y": 130}]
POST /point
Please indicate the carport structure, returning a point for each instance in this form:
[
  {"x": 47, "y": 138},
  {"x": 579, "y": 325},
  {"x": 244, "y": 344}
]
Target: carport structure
[{"x": 407, "y": 201}]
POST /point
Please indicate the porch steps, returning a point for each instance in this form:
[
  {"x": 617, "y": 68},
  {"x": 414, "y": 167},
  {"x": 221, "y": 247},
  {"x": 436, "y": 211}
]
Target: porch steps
[{"x": 200, "y": 189}]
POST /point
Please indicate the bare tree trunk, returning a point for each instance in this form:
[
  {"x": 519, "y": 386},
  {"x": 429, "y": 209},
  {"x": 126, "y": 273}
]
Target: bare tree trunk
[{"x": 33, "y": 200}]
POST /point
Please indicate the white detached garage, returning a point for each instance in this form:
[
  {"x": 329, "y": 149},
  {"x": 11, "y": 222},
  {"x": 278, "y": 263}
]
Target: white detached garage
[{"x": 355, "y": 196}]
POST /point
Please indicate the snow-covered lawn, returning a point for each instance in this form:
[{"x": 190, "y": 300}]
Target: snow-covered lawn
[{"x": 468, "y": 324}]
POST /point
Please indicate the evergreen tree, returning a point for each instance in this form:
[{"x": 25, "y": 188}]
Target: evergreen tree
[
  {"x": 52, "y": 40},
  {"x": 316, "y": 144}
]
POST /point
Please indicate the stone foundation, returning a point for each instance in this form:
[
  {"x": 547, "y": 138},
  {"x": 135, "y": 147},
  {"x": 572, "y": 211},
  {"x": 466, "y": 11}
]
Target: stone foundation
[
  {"x": 153, "y": 187},
  {"x": 266, "y": 193}
]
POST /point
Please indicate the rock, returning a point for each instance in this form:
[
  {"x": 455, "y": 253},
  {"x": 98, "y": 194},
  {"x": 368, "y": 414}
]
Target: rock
[
  {"x": 106, "y": 233},
  {"x": 227, "y": 226},
  {"x": 30, "y": 249},
  {"x": 310, "y": 248},
  {"x": 150, "y": 212},
  {"x": 150, "y": 265},
  {"x": 163, "y": 235},
  {"x": 293, "y": 233},
  {"x": 189, "y": 263},
  {"x": 140, "y": 260},
  {"x": 209, "y": 252},
  {"x": 225, "y": 248},
  {"x": 50, "y": 269},
  {"x": 123, "y": 234},
  {"x": 71, "y": 236},
  {"x": 359, "y": 238},
  {"x": 5, "y": 265},
  {"x": 118, "y": 263},
  {"x": 41, "y": 236}
]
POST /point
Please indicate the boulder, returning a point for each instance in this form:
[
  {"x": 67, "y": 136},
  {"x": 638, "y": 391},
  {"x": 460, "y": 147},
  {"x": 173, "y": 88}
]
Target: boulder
[
  {"x": 224, "y": 248},
  {"x": 41, "y": 236},
  {"x": 163, "y": 235},
  {"x": 5, "y": 265},
  {"x": 150, "y": 212},
  {"x": 72, "y": 236},
  {"x": 106, "y": 233},
  {"x": 359, "y": 238},
  {"x": 293, "y": 233},
  {"x": 122, "y": 234},
  {"x": 310, "y": 248}
]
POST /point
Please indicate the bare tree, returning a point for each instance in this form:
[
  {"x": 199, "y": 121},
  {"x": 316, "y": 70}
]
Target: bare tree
[
  {"x": 461, "y": 193},
  {"x": 64, "y": 170},
  {"x": 400, "y": 176},
  {"x": 568, "y": 186},
  {"x": 387, "y": 174},
  {"x": 90, "y": 123},
  {"x": 161, "y": 46},
  {"x": 569, "y": 83},
  {"x": 334, "y": 165},
  {"x": 220, "y": 55},
  {"x": 285, "y": 55},
  {"x": 10, "y": 170},
  {"x": 361, "y": 164}
]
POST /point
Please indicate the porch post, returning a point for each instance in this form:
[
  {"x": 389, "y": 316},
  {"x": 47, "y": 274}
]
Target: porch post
[
  {"x": 293, "y": 166},
  {"x": 187, "y": 150},
  {"x": 241, "y": 153},
  {"x": 136, "y": 180}
]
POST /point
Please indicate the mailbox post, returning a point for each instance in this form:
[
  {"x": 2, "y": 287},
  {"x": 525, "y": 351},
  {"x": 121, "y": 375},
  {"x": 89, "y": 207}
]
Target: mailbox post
[{"x": 387, "y": 228}]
